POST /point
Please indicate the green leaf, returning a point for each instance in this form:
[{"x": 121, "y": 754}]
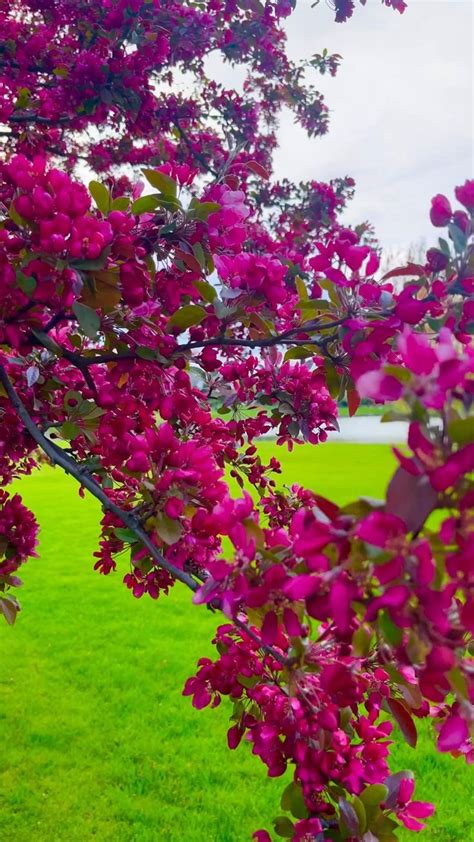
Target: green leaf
[
  {"x": 391, "y": 633},
  {"x": 399, "y": 372},
  {"x": 90, "y": 265},
  {"x": 101, "y": 196},
  {"x": 120, "y": 204},
  {"x": 458, "y": 237},
  {"x": 331, "y": 290},
  {"x": 145, "y": 204},
  {"x": 170, "y": 228},
  {"x": 292, "y": 800},
  {"x": 199, "y": 254},
  {"x": 373, "y": 795},
  {"x": 461, "y": 430},
  {"x": 333, "y": 380},
  {"x": 361, "y": 641},
  {"x": 164, "y": 183},
  {"x": 208, "y": 292},
  {"x": 201, "y": 210},
  {"x": 361, "y": 814},
  {"x": 72, "y": 400},
  {"x": 88, "y": 319},
  {"x": 70, "y": 431},
  {"x": 166, "y": 200},
  {"x": 458, "y": 683},
  {"x": 145, "y": 353},
  {"x": 283, "y": 827},
  {"x": 301, "y": 352},
  {"x": 26, "y": 283},
  {"x": 313, "y": 307},
  {"x": 169, "y": 530},
  {"x": 126, "y": 535},
  {"x": 17, "y": 219},
  {"x": 191, "y": 314},
  {"x": 248, "y": 681},
  {"x": 301, "y": 288},
  {"x": 444, "y": 246}
]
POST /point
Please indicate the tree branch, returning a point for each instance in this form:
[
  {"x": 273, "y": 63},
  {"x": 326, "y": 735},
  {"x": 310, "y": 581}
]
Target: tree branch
[
  {"x": 70, "y": 466},
  {"x": 285, "y": 338},
  {"x": 129, "y": 519},
  {"x": 37, "y": 118},
  {"x": 197, "y": 155}
]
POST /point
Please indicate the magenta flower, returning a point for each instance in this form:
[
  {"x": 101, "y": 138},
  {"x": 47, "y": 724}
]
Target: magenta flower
[
  {"x": 379, "y": 386},
  {"x": 453, "y": 734},
  {"x": 441, "y": 212},
  {"x": 465, "y": 194}
]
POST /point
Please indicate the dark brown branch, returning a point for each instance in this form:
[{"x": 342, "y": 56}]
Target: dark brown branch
[
  {"x": 21, "y": 312},
  {"x": 36, "y": 118},
  {"x": 129, "y": 519},
  {"x": 197, "y": 155},
  {"x": 216, "y": 341},
  {"x": 75, "y": 359},
  {"x": 269, "y": 650},
  {"x": 70, "y": 466}
]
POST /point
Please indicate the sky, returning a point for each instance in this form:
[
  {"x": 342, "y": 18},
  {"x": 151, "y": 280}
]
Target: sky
[{"x": 402, "y": 110}]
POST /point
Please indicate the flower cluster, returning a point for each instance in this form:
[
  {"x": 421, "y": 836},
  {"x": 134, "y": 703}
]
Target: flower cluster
[
  {"x": 18, "y": 539},
  {"x": 153, "y": 326}
]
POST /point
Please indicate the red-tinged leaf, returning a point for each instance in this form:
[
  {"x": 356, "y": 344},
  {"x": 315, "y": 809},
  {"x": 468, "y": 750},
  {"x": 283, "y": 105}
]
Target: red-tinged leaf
[
  {"x": 393, "y": 785},
  {"x": 269, "y": 630},
  {"x": 349, "y": 816},
  {"x": 330, "y": 509},
  {"x": 292, "y": 623},
  {"x": 403, "y": 271},
  {"x": 411, "y": 498},
  {"x": 9, "y": 608},
  {"x": 189, "y": 260},
  {"x": 404, "y": 721},
  {"x": 258, "y": 169},
  {"x": 234, "y": 736},
  {"x": 232, "y": 181},
  {"x": 353, "y": 401}
]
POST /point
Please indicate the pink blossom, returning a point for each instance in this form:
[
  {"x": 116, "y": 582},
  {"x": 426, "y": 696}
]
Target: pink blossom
[
  {"x": 440, "y": 213},
  {"x": 465, "y": 194}
]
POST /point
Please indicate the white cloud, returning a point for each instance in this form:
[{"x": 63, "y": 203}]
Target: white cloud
[{"x": 401, "y": 109}]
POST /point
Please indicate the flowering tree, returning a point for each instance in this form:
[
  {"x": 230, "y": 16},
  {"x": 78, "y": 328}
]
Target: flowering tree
[{"x": 141, "y": 317}]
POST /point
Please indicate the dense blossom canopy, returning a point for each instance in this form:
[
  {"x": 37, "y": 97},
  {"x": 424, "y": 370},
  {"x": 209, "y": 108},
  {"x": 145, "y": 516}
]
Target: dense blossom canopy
[{"x": 156, "y": 323}]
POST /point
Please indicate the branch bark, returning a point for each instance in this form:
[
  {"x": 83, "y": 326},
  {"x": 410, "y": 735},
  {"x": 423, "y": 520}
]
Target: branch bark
[
  {"x": 83, "y": 477},
  {"x": 129, "y": 519},
  {"x": 286, "y": 338}
]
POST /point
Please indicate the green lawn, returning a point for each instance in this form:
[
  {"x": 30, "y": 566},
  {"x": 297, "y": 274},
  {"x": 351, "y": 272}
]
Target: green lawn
[{"x": 96, "y": 741}]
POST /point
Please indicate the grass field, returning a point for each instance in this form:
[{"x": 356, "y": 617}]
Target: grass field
[{"x": 96, "y": 741}]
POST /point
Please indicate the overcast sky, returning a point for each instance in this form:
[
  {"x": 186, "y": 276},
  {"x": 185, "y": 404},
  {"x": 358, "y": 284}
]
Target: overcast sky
[{"x": 401, "y": 109}]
